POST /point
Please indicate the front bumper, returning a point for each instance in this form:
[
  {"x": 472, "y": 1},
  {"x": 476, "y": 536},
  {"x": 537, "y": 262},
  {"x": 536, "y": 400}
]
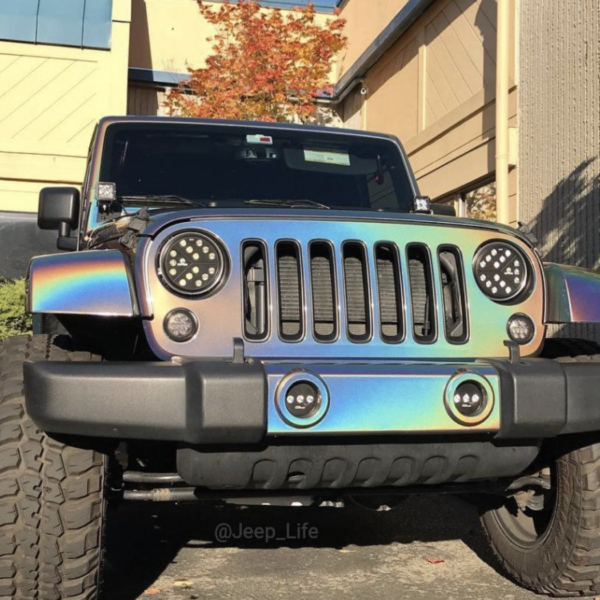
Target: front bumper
[{"x": 218, "y": 402}]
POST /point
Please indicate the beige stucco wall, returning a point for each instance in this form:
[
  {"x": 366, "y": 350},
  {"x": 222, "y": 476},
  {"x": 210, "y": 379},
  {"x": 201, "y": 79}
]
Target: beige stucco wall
[
  {"x": 167, "y": 35},
  {"x": 365, "y": 19},
  {"x": 50, "y": 99},
  {"x": 170, "y": 35},
  {"x": 435, "y": 89},
  {"x": 52, "y": 96},
  {"x": 559, "y": 123}
]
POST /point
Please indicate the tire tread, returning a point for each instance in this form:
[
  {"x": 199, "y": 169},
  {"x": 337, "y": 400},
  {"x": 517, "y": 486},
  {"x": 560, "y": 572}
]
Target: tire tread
[
  {"x": 52, "y": 494},
  {"x": 572, "y": 558}
]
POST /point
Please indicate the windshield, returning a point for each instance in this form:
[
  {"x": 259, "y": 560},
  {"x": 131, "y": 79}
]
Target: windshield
[{"x": 216, "y": 165}]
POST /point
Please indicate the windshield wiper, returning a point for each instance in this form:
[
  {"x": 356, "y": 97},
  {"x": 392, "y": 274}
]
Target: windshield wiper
[
  {"x": 287, "y": 203},
  {"x": 165, "y": 199}
]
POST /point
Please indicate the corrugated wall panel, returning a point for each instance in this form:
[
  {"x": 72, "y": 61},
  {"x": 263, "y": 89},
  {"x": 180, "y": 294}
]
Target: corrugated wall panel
[
  {"x": 146, "y": 100},
  {"x": 559, "y": 124}
]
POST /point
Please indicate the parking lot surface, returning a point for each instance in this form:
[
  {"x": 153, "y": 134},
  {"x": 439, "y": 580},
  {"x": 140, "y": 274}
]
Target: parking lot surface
[{"x": 430, "y": 547}]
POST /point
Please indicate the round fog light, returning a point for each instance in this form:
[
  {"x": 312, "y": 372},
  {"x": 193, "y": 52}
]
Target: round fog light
[
  {"x": 303, "y": 399},
  {"x": 181, "y": 325},
  {"x": 520, "y": 329},
  {"x": 468, "y": 398}
]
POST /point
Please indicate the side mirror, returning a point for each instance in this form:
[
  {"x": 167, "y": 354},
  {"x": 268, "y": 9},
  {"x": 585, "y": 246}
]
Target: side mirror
[{"x": 59, "y": 209}]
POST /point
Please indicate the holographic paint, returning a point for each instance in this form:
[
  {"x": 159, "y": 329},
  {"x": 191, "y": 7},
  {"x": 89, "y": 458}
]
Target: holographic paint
[
  {"x": 383, "y": 399},
  {"x": 93, "y": 282},
  {"x": 573, "y": 294},
  {"x": 220, "y": 315}
]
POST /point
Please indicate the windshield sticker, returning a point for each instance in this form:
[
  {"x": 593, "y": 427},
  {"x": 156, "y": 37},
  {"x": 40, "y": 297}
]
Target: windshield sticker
[
  {"x": 259, "y": 139},
  {"x": 329, "y": 158}
]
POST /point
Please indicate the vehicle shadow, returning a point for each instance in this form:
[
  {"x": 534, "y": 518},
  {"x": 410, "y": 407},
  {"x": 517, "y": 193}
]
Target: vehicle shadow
[{"x": 144, "y": 539}]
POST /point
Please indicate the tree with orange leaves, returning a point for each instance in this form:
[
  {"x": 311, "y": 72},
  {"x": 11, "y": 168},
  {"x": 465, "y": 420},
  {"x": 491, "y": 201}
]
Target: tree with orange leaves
[{"x": 267, "y": 64}]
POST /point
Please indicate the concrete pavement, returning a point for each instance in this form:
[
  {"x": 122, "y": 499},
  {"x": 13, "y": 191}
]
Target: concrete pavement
[{"x": 430, "y": 547}]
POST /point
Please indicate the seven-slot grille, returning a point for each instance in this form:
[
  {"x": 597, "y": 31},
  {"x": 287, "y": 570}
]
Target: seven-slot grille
[{"x": 352, "y": 290}]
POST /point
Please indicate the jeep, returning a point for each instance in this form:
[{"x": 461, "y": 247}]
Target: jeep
[{"x": 271, "y": 313}]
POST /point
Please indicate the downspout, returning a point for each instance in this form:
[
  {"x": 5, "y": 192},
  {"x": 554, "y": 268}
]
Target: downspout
[{"x": 502, "y": 110}]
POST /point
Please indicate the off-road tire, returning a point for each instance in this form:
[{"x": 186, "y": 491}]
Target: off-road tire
[
  {"x": 52, "y": 494},
  {"x": 571, "y": 350},
  {"x": 567, "y": 561}
]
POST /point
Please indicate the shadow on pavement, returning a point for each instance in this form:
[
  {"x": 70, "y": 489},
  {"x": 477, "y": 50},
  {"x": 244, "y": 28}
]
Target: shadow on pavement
[{"x": 143, "y": 539}]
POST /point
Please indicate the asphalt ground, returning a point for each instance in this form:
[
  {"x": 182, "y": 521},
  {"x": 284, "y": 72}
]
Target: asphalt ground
[{"x": 429, "y": 547}]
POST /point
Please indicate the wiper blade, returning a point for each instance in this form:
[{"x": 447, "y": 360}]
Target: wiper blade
[
  {"x": 160, "y": 199},
  {"x": 287, "y": 203}
]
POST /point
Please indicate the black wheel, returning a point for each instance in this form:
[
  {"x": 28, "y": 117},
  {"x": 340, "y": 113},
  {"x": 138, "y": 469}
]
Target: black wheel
[
  {"x": 52, "y": 495},
  {"x": 547, "y": 536}
]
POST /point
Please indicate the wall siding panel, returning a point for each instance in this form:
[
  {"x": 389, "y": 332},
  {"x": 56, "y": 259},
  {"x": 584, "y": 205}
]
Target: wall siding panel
[
  {"x": 461, "y": 57},
  {"x": 559, "y": 182},
  {"x": 390, "y": 78},
  {"x": 50, "y": 100},
  {"x": 435, "y": 89},
  {"x": 146, "y": 100}
]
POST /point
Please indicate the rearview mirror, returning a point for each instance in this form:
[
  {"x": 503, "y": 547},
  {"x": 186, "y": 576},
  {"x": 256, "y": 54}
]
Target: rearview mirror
[{"x": 59, "y": 209}]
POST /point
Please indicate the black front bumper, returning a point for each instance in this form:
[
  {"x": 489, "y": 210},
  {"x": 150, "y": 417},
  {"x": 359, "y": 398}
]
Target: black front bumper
[
  {"x": 218, "y": 402},
  {"x": 199, "y": 402},
  {"x": 231, "y": 435}
]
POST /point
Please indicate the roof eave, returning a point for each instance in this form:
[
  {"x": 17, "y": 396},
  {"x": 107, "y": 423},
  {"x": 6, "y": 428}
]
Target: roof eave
[{"x": 405, "y": 18}]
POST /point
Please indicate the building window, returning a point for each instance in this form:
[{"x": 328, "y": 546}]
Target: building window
[
  {"x": 479, "y": 203},
  {"x": 78, "y": 23},
  {"x": 474, "y": 203}
]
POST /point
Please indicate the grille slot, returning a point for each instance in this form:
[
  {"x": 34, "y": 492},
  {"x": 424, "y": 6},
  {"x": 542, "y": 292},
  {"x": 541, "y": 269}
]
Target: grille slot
[
  {"x": 358, "y": 318},
  {"x": 323, "y": 291},
  {"x": 421, "y": 293},
  {"x": 390, "y": 293},
  {"x": 316, "y": 292},
  {"x": 453, "y": 295},
  {"x": 254, "y": 264},
  {"x": 289, "y": 272}
]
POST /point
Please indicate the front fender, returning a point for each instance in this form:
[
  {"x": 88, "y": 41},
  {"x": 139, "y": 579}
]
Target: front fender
[
  {"x": 92, "y": 282},
  {"x": 573, "y": 294}
]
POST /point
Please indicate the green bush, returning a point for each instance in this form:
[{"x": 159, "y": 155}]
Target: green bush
[{"x": 13, "y": 318}]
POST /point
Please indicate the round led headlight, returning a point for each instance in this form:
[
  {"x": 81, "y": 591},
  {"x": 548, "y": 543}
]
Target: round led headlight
[
  {"x": 501, "y": 271},
  {"x": 521, "y": 329},
  {"x": 191, "y": 264},
  {"x": 181, "y": 325}
]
